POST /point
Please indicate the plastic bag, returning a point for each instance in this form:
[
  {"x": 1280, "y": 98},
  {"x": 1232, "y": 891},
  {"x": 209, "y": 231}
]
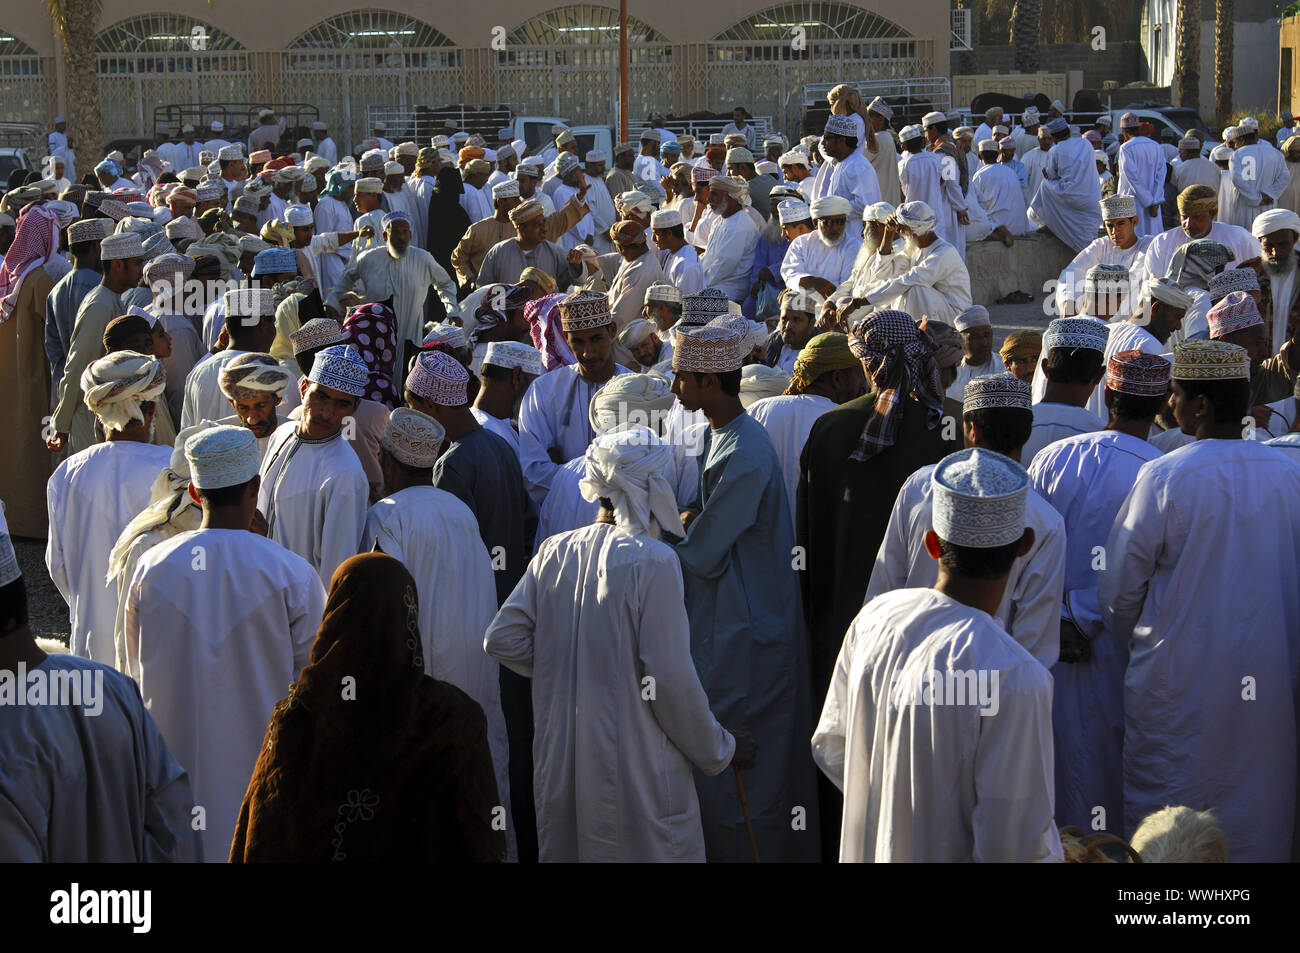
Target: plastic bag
[{"x": 769, "y": 302}]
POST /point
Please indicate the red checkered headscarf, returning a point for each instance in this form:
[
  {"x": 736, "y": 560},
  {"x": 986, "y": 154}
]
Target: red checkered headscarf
[{"x": 36, "y": 239}]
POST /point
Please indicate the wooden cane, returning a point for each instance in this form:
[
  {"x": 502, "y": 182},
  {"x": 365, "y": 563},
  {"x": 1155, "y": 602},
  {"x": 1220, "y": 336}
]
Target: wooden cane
[{"x": 744, "y": 806}]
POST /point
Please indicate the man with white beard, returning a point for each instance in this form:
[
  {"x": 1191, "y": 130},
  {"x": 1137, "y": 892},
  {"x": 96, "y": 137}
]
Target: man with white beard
[
  {"x": 922, "y": 176},
  {"x": 1066, "y": 201},
  {"x": 1277, "y": 231},
  {"x": 928, "y": 279},
  {"x": 875, "y": 219},
  {"x": 1257, "y": 176},
  {"x": 822, "y": 259}
]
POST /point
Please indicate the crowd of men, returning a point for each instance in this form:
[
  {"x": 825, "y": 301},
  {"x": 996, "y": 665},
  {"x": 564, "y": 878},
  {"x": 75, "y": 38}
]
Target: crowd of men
[{"x": 682, "y": 510}]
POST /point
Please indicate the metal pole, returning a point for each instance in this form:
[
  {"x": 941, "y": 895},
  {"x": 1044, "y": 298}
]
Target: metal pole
[{"x": 622, "y": 70}]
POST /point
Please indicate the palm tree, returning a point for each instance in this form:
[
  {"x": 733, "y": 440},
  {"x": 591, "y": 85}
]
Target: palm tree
[
  {"x": 1224, "y": 14},
  {"x": 1187, "y": 55},
  {"x": 76, "y": 22},
  {"x": 1024, "y": 35}
]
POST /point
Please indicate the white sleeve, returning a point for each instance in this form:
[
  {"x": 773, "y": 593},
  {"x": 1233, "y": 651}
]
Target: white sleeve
[
  {"x": 509, "y": 637},
  {"x": 1132, "y": 551},
  {"x": 892, "y": 559},
  {"x": 1036, "y": 603},
  {"x": 307, "y": 608},
  {"x": 793, "y": 266},
  {"x": 347, "y": 498},
  {"x": 832, "y": 728},
  {"x": 54, "y": 558}
]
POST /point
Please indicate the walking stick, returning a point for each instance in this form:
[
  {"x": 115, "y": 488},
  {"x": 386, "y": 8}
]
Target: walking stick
[{"x": 744, "y": 806}]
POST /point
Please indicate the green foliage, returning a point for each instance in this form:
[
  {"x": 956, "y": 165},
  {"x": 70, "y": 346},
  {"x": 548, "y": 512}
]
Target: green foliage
[{"x": 1269, "y": 122}]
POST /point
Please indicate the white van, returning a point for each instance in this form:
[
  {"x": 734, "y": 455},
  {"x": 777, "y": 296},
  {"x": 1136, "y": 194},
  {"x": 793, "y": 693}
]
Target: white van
[{"x": 536, "y": 132}]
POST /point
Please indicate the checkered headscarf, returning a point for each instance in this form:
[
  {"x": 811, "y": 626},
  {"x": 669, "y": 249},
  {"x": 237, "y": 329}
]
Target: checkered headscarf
[{"x": 899, "y": 361}]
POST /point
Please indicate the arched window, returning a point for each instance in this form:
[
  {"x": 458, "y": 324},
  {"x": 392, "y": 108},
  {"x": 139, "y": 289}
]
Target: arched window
[
  {"x": 580, "y": 24},
  {"x": 370, "y": 29},
  {"x": 10, "y": 45},
  {"x": 164, "y": 33},
  {"x": 819, "y": 21}
]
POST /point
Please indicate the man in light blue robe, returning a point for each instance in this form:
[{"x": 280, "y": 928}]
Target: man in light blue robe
[{"x": 742, "y": 596}]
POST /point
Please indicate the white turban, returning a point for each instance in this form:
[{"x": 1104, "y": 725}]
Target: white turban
[
  {"x": 115, "y": 386},
  {"x": 879, "y": 212},
  {"x": 1275, "y": 220},
  {"x": 758, "y": 381},
  {"x": 917, "y": 216},
  {"x": 829, "y": 206},
  {"x": 634, "y": 470},
  {"x": 636, "y": 201},
  {"x": 633, "y": 399}
]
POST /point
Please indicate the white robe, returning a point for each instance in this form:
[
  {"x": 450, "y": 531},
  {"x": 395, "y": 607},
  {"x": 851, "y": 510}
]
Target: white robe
[
  {"x": 436, "y": 536},
  {"x": 1035, "y": 161},
  {"x": 603, "y": 214},
  {"x": 612, "y": 753},
  {"x": 1085, "y": 479},
  {"x": 1067, "y": 200},
  {"x": 1198, "y": 171},
  {"x": 934, "y": 283},
  {"x": 1103, "y": 251},
  {"x": 935, "y": 783},
  {"x": 578, "y": 233},
  {"x": 1142, "y": 175},
  {"x": 554, "y": 414},
  {"x": 1053, "y": 422},
  {"x": 1255, "y": 172},
  {"x": 502, "y": 428},
  {"x": 91, "y": 497},
  {"x": 885, "y": 162},
  {"x": 314, "y": 497},
  {"x": 997, "y": 189},
  {"x": 1210, "y": 689},
  {"x": 965, "y": 371},
  {"x": 854, "y": 179},
  {"x": 331, "y": 215},
  {"x": 682, "y": 269},
  {"x": 729, "y": 256},
  {"x": 788, "y": 419},
  {"x": 1160, "y": 253},
  {"x": 1031, "y": 604},
  {"x": 214, "y": 650},
  {"x": 810, "y": 257},
  {"x": 84, "y": 786}
]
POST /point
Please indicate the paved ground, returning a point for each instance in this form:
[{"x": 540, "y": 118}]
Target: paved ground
[{"x": 49, "y": 613}]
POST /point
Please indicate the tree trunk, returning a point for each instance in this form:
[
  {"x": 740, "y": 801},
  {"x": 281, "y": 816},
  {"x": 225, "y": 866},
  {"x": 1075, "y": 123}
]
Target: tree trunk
[
  {"x": 1224, "y": 14},
  {"x": 1024, "y": 34},
  {"x": 84, "y": 113},
  {"x": 1187, "y": 56}
]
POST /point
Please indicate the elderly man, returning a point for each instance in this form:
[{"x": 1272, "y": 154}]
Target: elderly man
[
  {"x": 927, "y": 777},
  {"x": 976, "y": 330},
  {"x": 398, "y": 273},
  {"x": 638, "y": 271},
  {"x": 122, "y": 258},
  {"x": 679, "y": 261},
  {"x": 1193, "y": 656},
  {"x": 1085, "y": 478},
  {"x": 825, "y": 375},
  {"x": 249, "y": 611},
  {"x": 1141, "y": 173},
  {"x": 1066, "y": 200},
  {"x": 846, "y": 171},
  {"x": 1121, "y": 245},
  {"x": 729, "y": 255},
  {"x": 928, "y": 279},
  {"x": 576, "y": 763},
  {"x": 1198, "y": 206},
  {"x": 740, "y": 529},
  {"x": 870, "y": 264},
  {"x": 1277, "y": 231},
  {"x": 821, "y": 260},
  {"x": 1257, "y": 176},
  {"x": 95, "y": 492},
  {"x": 506, "y": 261}
]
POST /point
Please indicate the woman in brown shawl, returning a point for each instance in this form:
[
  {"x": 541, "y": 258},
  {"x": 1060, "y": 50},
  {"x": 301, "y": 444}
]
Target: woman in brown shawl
[{"x": 368, "y": 758}]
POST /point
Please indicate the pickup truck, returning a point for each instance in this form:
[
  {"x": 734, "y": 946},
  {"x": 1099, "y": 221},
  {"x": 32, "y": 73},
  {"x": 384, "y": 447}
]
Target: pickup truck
[{"x": 536, "y": 132}]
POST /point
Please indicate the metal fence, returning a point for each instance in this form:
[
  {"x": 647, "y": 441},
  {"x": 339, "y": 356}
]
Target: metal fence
[{"x": 575, "y": 81}]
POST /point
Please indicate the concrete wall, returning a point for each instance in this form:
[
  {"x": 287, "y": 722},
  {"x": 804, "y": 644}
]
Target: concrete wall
[{"x": 1120, "y": 61}]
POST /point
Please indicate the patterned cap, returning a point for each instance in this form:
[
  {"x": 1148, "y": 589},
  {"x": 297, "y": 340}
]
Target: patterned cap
[
  {"x": 298, "y": 216},
  {"x": 251, "y": 245},
  {"x": 393, "y": 217},
  {"x": 583, "y": 310},
  {"x": 791, "y": 211},
  {"x": 917, "y": 217},
  {"x": 513, "y": 354},
  {"x": 719, "y": 346},
  {"x": 841, "y": 126},
  {"x": 316, "y": 333},
  {"x": 367, "y": 184},
  {"x": 249, "y": 302},
  {"x": 412, "y": 438},
  {"x": 290, "y": 173},
  {"x": 661, "y": 291},
  {"x": 529, "y": 168},
  {"x": 439, "y": 378},
  {"x": 275, "y": 261},
  {"x": 505, "y": 190},
  {"x": 933, "y": 119},
  {"x": 703, "y": 173},
  {"x": 1117, "y": 206},
  {"x": 1237, "y": 311},
  {"x": 739, "y": 156},
  {"x": 1070, "y": 333},
  {"x": 229, "y": 154},
  {"x": 978, "y": 499},
  {"x": 121, "y": 245},
  {"x": 566, "y": 163},
  {"x": 703, "y": 307},
  {"x": 1138, "y": 373},
  {"x": 996, "y": 390},
  {"x": 251, "y": 375},
  {"x": 1106, "y": 277},
  {"x": 210, "y": 189},
  {"x": 257, "y": 187},
  {"x": 665, "y": 218},
  {"x": 976, "y": 316},
  {"x": 1210, "y": 361},
  {"x": 881, "y": 108},
  {"x": 1234, "y": 279},
  {"x": 452, "y": 335},
  {"x": 89, "y": 230},
  {"x": 341, "y": 367},
  {"x": 1057, "y": 125},
  {"x": 169, "y": 265},
  {"x": 222, "y": 456},
  {"x": 1129, "y": 121}
]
